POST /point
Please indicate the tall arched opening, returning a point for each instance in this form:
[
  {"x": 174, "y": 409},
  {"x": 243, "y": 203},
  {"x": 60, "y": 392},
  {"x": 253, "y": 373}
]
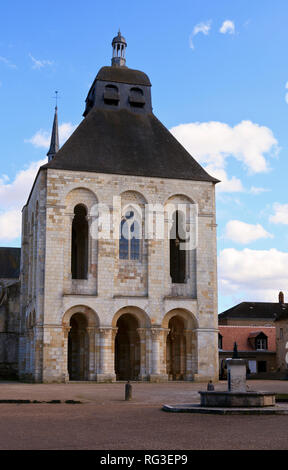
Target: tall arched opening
[
  {"x": 79, "y": 251},
  {"x": 78, "y": 348},
  {"x": 176, "y": 349},
  {"x": 127, "y": 348}
]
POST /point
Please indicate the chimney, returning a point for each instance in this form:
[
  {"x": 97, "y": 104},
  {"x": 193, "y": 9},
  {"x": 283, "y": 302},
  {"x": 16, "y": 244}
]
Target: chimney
[{"x": 281, "y": 297}]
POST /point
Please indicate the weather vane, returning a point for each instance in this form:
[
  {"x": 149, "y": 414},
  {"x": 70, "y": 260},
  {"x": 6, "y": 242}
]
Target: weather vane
[{"x": 56, "y": 98}]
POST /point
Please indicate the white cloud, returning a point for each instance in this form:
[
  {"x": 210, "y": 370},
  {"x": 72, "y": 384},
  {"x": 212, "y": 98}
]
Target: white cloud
[
  {"x": 13, "y": 195},
  {"x": 227, "y": 185},
  {"x": 256, "y": 191},
  {"x": 41, "y": 139},
  {"x": 39, "y": 64},
  {"x": 10, "y": 225},
  {"x": 243, "y": 233},
  {"x": 256, "y": 274},
  {"x": 228, "y": 27},
  {"x": 203, "y": 28},
  {"x": 280, "y": 214},
  {"x": 7, "y": 62},
  {"x": 212, "y": 143}
]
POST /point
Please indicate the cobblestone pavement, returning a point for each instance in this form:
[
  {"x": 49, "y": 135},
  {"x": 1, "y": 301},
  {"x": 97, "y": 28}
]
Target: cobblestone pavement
[{"x": 105, "y": 421}]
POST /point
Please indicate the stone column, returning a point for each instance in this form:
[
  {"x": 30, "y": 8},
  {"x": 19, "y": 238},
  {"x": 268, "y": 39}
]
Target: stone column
[
  {"x": 189, "y": 355},
  {"x": 92, "y": 354},
  {"x": 166, "y": 332},
  {"x": 28, "y": 355},
  {"x": 207, "y": 359},
  {"x": 38, "y": 340},
  {"x": 157, "y": 351},
  {"x": 92, "y": 253},
  {"x": 107, "y": 370},
  {"x": 66, "y": 330},
  {"x": 143, "y": 371},
  {"x": 67, "y": 253}
]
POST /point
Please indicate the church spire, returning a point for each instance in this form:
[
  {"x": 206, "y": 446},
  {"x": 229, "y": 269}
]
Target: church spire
[
  {"x": 54, "y": 144},
  {"x": 119, "y": 47}
]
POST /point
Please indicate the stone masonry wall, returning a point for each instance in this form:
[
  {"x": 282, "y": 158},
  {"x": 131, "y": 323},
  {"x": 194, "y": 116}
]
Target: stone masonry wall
[{"x": 113, "y": 287}]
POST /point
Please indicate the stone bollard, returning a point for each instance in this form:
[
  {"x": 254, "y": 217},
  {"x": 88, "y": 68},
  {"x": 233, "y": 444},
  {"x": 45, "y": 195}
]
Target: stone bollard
[{"x": 128, "y": 391}]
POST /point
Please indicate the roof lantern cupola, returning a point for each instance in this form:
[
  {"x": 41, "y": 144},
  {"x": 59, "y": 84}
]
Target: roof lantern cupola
[{"x": 119, "y": 48}]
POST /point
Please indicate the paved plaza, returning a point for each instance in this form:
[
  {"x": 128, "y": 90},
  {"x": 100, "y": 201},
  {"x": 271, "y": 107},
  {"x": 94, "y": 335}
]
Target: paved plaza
[{"x": 104, "y": 420}]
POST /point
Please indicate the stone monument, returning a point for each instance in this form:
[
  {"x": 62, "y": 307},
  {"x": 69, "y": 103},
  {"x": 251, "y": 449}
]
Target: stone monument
[{"x": 237, "y": 395}]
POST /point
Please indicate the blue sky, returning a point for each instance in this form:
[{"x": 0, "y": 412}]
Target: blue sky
[{"x": 219, "y": 71}]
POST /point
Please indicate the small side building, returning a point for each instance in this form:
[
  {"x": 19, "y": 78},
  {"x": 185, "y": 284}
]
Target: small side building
[
  {"x": 9, "y": 311},
  {"x": 251, "y": 325}
]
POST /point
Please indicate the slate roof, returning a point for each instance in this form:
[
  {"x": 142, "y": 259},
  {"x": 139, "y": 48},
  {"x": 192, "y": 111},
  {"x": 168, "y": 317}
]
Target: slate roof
[
  {"x": 240, "y": 334},
  {"x": 10, "y": 263},
  {"x": 255, "y": 310},
  {"x": 127, "y": 143},
  {"x": 123, "y": 75}
]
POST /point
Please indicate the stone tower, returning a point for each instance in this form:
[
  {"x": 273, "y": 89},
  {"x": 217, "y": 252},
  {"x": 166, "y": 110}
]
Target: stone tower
[{"x": 118, "y": 303}]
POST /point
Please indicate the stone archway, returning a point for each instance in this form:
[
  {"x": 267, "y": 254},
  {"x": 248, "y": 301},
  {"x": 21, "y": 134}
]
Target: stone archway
[
  {"x": 127, "y": 348},
  {"x": 78, "y": 348},
  {"x": 80, "y": 325},
  {"x": 181, "y": 344},
  {"x": 176, "y": 349}
]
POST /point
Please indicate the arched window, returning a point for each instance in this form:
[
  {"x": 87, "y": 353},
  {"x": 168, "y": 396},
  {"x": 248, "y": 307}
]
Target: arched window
[
  {"x": 111, "y": 95},
  {"x": 177, "y": 256},
  {"x": 136, "y": 97},
  {"x": 79, "y": 261},
  {"x": 129, "y": 242}
]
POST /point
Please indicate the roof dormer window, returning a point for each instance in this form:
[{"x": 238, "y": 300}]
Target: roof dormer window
[
  {"x": 111, "y": 95},
  {"x": 136, "y": 97}
]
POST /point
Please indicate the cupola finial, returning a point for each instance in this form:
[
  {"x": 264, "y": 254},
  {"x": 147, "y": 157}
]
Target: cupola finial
[
  {"x": 119, "y": 48},
  {"x": 54, "y": 144}
]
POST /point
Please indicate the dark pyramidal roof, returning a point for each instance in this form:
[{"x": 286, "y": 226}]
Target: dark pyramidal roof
[
  {"x": 122, "y": 135},
  {"x": 122, "y": 142},
  {"x": 256, "y": 310},
  {"x": 123, "y": 75},
  {"x": 9, "y": 263}
]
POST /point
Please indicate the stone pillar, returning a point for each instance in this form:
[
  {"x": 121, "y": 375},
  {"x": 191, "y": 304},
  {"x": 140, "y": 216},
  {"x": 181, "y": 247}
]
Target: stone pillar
[
  {"x": 157, "y": 351},
  {"x": 28, "y": 355},
  {"x": 236, "y": 375},
  {"x": 53, "y": 360},
  {"x": 93, "y": 252},
  {"x": 68, "y": 221},
  {"x": 66, "y": 330},
  {"x": 38, "y": 340},
  {"x": 207, "y": 355},
  {"x": 22, "y": 357},
  {"x": 92, "y": 354},
  {"x": 189, "y": 364},
  {"x": 166, "y": 332},
  {"x": 107, "y": 370},
  {"x": 143, "y": 371}
]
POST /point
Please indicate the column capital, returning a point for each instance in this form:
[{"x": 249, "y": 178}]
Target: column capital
[
  {"x": 142, "y": 332},
  {"x": 105, "y": 330},
  {"x": 114, "y": 332},
  {"x": 156, "y": 332}
]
